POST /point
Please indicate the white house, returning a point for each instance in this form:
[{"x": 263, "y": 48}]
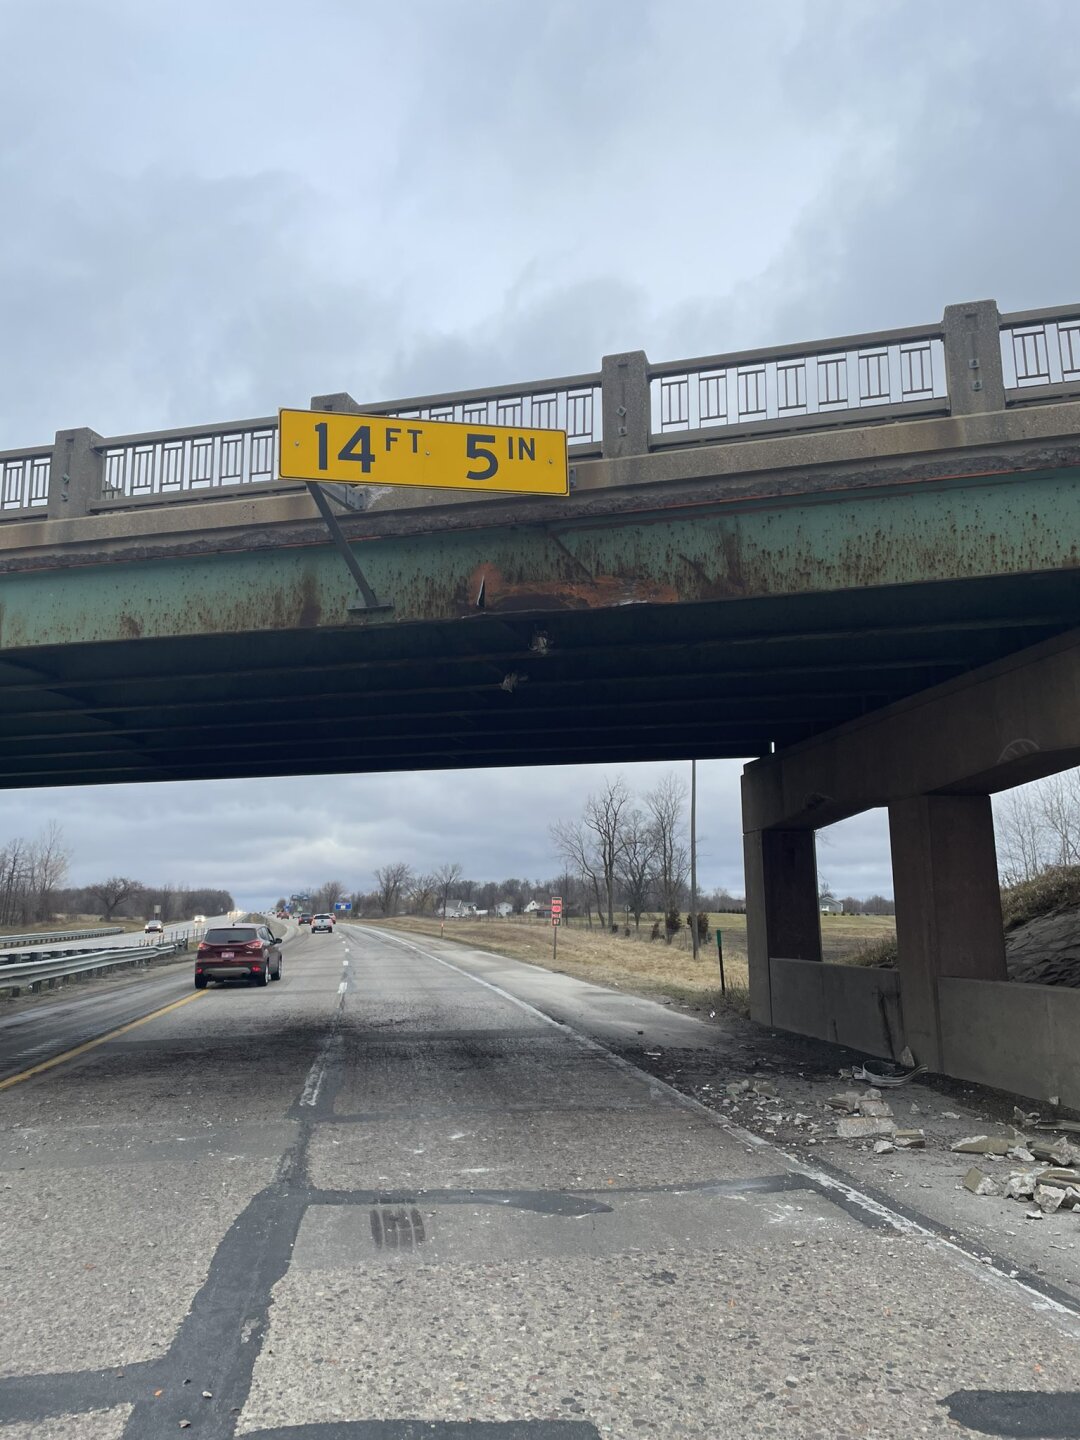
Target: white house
[
  {"x": 503, "y": 909},
  {"x": 831, "y": 907}
]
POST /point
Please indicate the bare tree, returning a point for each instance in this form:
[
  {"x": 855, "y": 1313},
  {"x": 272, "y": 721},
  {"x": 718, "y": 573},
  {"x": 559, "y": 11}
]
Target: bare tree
[
  {"x": 605, "y": 816},
  {"x": 637, "y": 858},
  {"x": 327, "y": 895},
  {"x": 421, "y": 892},
  {"x": 446, "y": 877},
  {"x": 1020, "y": 838},
  {"x": 113, "y": 892},
  {"x": 665, "y": 804},
  {"x": 573, "y": 842},
  {"x": 390, "y": 883},
  {"x": 50, "y": 863},
  {"x": 1058, "y": 799}
]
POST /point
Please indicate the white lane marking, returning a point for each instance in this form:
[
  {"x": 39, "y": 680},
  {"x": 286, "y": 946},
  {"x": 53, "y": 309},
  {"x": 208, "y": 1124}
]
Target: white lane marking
[
  {"x": 317, "y": 1074},
  {"x": 982, "y": 1270}
]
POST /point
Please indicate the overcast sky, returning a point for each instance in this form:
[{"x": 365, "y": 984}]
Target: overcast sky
[{"x": 217, "y": 208}]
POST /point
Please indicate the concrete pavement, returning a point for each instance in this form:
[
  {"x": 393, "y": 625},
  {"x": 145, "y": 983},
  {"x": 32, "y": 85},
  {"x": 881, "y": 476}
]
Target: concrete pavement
[{"x": 388, "y": 1197}]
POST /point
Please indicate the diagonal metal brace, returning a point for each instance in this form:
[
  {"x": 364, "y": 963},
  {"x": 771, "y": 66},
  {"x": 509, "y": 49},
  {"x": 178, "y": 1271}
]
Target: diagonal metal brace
[{"x": 367, "y": 595}]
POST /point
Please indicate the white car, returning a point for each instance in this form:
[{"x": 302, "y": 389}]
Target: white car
[
  {"x": 153, "y": 927},
  {"x": 322, "y": 922}
]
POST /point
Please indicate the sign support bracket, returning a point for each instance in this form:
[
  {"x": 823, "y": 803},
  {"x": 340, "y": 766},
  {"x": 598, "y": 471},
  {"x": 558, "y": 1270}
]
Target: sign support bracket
[{"x": 368, "y": 601}]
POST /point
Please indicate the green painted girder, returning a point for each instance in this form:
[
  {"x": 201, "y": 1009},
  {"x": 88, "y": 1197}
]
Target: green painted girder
[{"x": 787, "y": 546}]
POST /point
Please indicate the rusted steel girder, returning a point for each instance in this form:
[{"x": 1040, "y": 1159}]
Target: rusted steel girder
[{"x": 781, "y": 546}]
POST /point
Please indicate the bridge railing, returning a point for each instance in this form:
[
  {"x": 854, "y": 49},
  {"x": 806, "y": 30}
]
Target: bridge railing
[
  {"x": 973, "y": 360},
  {"x": 573, "y": 403},
  {"x": 852, "y": 380},
  {"x": 24, "y": 481},
  {"x": 1040, "y": 354}
]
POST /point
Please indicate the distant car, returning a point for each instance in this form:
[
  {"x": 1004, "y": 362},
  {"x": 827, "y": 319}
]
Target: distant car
[
  {"x": 153, "y": 927},
  {"x": 305, "y": 919},
  {"x": 238, "y": 952},
  {"x": 323, "y": 922},
  {"x": 199, "y": 920}
]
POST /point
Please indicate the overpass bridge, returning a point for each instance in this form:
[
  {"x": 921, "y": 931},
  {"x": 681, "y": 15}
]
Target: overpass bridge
[{"x": 856, "y": 561}]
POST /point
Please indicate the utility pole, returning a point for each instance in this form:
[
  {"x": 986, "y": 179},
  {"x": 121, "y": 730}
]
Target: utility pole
[{"x": 693, "y": 856}]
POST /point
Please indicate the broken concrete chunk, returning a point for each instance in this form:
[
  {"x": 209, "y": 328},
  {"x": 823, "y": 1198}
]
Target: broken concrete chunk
[
  {"x": 871, "y": 1094},
  {"x": 878, "y": 1108},
  {"x": 910, "y": 1139},
  {"x": 884, "y": 1147},
  {"x": 845, "y": 1100},
  {"x": 980, "y": 1184},
  {"x": 1018, "y": 1152},
  {"x": 983, "y": 1145},
  {"x": 1060, "y": 1175},
  {"x": 907, "y": 1059},
  {"x": 863, "y": 1127},
  {"x": 1021, "y": 1185},
  {"x": 1049, "y": 1198},
  {"x": 765, "y": 1087},
  {"x": 735, "y": 1088}
]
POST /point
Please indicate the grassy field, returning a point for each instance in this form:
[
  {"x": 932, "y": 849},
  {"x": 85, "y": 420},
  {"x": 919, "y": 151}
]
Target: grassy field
[
  {"x": 83, "y": 922},
  {"x": 637, "y": 964}
]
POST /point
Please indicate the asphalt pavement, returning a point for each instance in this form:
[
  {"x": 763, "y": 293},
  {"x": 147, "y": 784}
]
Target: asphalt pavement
[{"x": 412, "y": 1190}]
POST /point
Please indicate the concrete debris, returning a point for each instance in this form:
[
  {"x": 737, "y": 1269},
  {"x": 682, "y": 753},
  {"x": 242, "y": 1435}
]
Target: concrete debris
[
  {"x": 907, "y": 1059},
  {"x": 1020, "y": 1185},
  {"x": 949, "y": 1115},
  {"x": 844, "y": 1100},
  {"x": 765, "y": 1087},
  {"x": 880, "y": 1109},
  {"x": 1048, "y": 1198},
  {"x": 910, "y": 1139},
  {"x": 1054, "y": 1101},
  {"x": 1021, "y": 1153},
  {"x": 983, "y": 1145},
  {"x": 1023, "y": 1119},
  {"x": 1062, "y": 1152},
  {"x": 980, "y": 1184},
  {"x": 1034, "y": 1214},
  {"x": 735, "y": 1088},
  {"x": 883, "y": 1147},
  {"x": 863, "y": 1127}
]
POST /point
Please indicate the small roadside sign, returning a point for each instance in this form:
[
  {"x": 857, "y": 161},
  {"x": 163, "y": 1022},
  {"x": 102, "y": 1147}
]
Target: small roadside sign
[
  {"x": 330, "y": 447},
  {"x": 343, "y": 905},
  {"x": 556, "y": 909}
]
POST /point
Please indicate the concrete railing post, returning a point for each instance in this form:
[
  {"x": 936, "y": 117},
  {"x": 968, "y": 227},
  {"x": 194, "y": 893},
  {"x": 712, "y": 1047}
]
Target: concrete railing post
[
  {"x": 973, "y": 358},
  {"x": 75, "y": 474},
  {"x": 342, "y": 402},
  {"x": 626, "y": 406}
]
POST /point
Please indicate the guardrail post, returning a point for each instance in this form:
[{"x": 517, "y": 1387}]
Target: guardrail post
[
  {"x": 626, "y": 407},
  {"x": 75, "y": 474},
  {"x": 973, "y": 358}
]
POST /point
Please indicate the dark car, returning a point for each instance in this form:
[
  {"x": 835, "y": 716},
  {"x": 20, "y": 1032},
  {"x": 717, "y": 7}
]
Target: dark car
[
  {"x": 238, "y": 952},
  {"x": 305, "y": 918}
]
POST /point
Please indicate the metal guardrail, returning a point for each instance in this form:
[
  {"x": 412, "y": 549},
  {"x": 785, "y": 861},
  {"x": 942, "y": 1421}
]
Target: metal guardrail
[
  {"x": 31, "y": 974},
  {"x": 57, "y": 937}
]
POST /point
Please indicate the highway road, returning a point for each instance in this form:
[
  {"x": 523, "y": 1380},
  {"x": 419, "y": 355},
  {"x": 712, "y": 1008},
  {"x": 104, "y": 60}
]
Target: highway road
[
  {"x": 417, "y": 1190},
  {"x": 109, "y": 942}
]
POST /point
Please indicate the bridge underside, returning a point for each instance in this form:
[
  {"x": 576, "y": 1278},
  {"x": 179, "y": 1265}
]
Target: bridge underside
[{"x": 531, "y": 687}]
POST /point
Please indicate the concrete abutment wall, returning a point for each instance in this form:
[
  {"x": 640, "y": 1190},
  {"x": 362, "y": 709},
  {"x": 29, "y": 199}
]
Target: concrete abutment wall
[{"x": 933, "y": 761}]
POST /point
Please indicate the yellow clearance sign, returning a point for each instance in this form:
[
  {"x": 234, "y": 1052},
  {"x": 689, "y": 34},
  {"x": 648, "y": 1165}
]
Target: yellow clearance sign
[{"x": 437, "y": 454}]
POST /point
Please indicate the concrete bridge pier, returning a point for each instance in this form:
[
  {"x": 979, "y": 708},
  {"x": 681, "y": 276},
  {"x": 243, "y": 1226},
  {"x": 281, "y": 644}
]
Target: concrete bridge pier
[
  {"x": 933, "y": 760},
  {"x": 948, "y": 906}
]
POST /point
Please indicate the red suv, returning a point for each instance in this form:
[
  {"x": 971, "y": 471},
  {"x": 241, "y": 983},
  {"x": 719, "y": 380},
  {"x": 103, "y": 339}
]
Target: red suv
[{"x": 238, "y": 952}]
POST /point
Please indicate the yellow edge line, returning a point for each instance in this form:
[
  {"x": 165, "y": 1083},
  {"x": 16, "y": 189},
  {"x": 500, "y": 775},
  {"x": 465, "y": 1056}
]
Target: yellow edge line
[{"x": 101, "y": 1040}]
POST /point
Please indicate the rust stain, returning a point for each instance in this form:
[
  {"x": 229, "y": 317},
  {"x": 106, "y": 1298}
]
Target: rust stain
[
  {"x": 578, "y": 593},
  {"x": 131, "y": 627}
]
